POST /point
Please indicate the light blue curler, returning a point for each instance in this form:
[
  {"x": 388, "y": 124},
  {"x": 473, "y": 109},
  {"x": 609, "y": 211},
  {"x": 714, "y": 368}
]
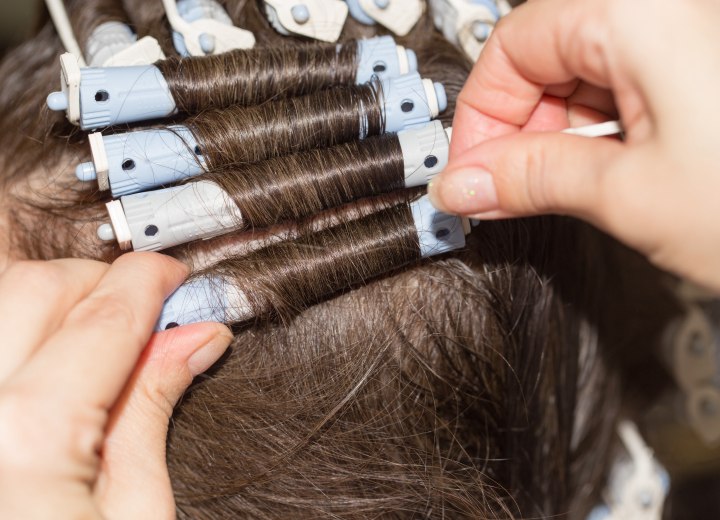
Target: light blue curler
[
  {"x": 202, "y": 299},
  {"x": 411, "y": 101},
  {"x": 117, "y": 95},
  {"x": 142, "y": 160},
  {"x": 139, "y": 161},
  {"x": 381, "y": 57},
  {"x": 399, "y": 16},
  {"x": 106, "y": 96},
  {"x": 212, "y": 298},
  {"x": 438, "y": 232}
]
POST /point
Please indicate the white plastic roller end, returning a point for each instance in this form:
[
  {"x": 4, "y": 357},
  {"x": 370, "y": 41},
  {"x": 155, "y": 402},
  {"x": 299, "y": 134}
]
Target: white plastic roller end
[
  {"x": 58, "y": 102},
  {"x": 105, "y": 233},
  {"x": 120, "y": 228}
]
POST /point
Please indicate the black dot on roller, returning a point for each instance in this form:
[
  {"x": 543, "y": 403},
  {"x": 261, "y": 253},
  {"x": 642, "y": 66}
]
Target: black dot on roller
[
  {"x": 101, "y": 96},
  {"x": 198, "y": 151},
  {"x": 430, "y": 161},
  {"x": 379, "y": 67},
  {"x": 442, "y": 233},
  {"x": 407, "y": 106},
  {"x": 171, "y": 325},
  {"x": 128, "y": 164},
  {"x": 151, "y": 230}
]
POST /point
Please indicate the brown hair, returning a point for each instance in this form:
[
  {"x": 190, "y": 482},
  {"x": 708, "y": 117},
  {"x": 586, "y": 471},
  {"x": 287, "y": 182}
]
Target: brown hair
[
  {"x": 296, "y": 186},
  {"x": 441, "y": 391},
  {"x": 285, "y": 278},
  {"x": 251, "y": 77},
  {"x": 480, "y": 385},
  {"x": 87, "y": 15},
  {"x": 237, "y": 135},
  {"x": 148, "y": 19}
]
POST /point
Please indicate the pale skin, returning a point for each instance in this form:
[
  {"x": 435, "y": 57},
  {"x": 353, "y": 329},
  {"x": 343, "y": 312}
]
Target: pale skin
[
  {"x": 551, "y": 64},
  {"x": 87, "y": 389}
]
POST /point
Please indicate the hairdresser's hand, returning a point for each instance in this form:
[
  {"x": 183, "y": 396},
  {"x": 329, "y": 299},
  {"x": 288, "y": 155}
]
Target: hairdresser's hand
[
  {"x": 557, "y": 63},
  {"x": 86, "y": 390}
]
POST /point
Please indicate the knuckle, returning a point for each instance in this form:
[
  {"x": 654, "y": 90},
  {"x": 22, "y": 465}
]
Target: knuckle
[
  {"x": 151, "y": 261},
  {"x": 26, "y": 417},
  {"x": 38, "y": 275},
  {"x": 13, "y": 418},
  {"x": 539, "y": 190},
  {"x": 501, "y": 29},
  {"x": 106, "y": 312},
  {"x": 157, "y": 399}
]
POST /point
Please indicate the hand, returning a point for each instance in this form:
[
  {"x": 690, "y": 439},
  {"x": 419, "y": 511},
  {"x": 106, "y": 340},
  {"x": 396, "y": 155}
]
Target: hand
[
  {"x": 557, "y": 63},
  {"x": 84, "y": 398}
]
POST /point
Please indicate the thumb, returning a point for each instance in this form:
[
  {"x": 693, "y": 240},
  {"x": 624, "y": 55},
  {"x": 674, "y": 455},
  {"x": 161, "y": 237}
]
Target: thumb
[
  {"x": 528, "y": 174},
  {"x": 134, "y": 480}
]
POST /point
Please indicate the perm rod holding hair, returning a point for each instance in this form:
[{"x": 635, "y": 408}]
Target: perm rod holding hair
[
  {"x": 140, "y": 170},
  {"x": 104, "y": 37},
  {"x": 288, "y": 276},
  {"x": 100, "y": 97},
  {"x": 287, "y": 188},
  {"x": 132, "y": 162},
  {"x": 400, "y": 16},
  {"x": 318, "y": 19}
]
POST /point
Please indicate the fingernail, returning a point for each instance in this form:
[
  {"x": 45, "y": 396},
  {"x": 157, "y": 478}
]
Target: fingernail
[
  {"x": 465, "y": 192},
  {"x": 207, "y": 355}
]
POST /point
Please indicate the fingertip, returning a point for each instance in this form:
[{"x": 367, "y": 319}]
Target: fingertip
[
  {"x": 435, "y": 195},
  {"x": 198, "y": 346},
  {"x": 210, "y": 352},
  {"x": 464, "y": 191}
]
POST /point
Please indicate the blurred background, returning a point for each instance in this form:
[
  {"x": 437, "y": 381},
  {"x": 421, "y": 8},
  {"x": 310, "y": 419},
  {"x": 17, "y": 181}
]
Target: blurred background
[{"x": 17, "y": 21}]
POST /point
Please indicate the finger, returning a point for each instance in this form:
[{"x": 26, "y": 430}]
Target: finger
[
  {"x": 590, "y": 99},
  {"x": 529, "y": 174},
  {"x": 134, "y": 480},
  {"x": 529, "y": 50},
  {"x": 35, "y": 298},
  {"x": 90, "y": 358}
]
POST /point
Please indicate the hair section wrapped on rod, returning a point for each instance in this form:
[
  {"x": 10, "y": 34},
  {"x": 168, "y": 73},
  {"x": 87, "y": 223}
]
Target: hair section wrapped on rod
[
  {"x": 134, "y": 161},
  {"x": 300, "y": 185},
  {"x": 251, "y": 77},
  {"x": 262, "y": 194},
  {"x": 238, "y": 135},
  {"x": 157, "y": 88},
  {"x": 87, "y": 15},
  {"x": 286, "y": 277}
]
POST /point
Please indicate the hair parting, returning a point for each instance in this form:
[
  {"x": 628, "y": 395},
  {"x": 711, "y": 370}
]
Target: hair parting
[{"x": 203, "y": 255}]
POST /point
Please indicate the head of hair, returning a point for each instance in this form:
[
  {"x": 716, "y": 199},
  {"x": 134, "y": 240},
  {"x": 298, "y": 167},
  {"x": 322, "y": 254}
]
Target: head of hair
[{"x": 484, "y": 384}]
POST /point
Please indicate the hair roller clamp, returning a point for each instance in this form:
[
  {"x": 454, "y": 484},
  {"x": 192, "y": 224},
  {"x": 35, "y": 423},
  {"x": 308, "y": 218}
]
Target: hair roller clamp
[
  {"x": 317, "y": 19},
  {"x": 203, "y": 27},
  {"x": 468, "y": 23},
  {"x": 400, "y": 16}
]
